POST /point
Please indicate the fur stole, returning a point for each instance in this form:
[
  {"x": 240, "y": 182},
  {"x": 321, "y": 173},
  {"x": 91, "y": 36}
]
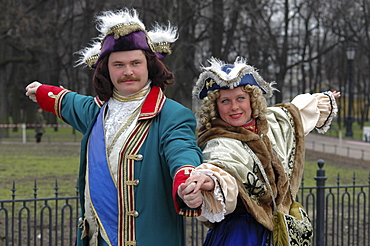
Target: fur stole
[{"x": 260, "y": 144}]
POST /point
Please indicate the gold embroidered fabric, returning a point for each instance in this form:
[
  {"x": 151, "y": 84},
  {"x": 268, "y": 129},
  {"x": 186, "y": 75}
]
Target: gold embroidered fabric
[
  {"x": 231, "y": 154},
  {"x": 294, "y": 228}
]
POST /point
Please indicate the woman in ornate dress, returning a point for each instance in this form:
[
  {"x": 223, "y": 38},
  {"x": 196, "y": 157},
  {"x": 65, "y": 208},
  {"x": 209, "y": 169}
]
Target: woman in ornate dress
[{"x": 235, "y": 119}]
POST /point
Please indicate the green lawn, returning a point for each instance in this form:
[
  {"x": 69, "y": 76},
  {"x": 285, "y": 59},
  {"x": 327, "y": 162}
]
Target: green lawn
[
  {"x": 57, "y": 158},
  {"x": 345, "y": 171},
  {"x": 64, "y": 133},
  {"x": 336, "y": 129}
]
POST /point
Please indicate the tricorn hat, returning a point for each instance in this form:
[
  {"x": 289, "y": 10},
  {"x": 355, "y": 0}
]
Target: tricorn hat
[
  {"x": 229, "y": 76},
  {"x": 122, "y": 30}
]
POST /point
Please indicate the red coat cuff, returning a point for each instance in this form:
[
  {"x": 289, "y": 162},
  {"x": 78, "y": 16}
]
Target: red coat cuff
[
  {"x": 180, "y": 177},
  {"x": 50, "y": 98}
]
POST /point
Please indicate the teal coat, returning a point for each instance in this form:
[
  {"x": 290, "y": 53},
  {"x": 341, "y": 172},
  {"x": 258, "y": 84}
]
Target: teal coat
[{"x": 169, "y": 146}]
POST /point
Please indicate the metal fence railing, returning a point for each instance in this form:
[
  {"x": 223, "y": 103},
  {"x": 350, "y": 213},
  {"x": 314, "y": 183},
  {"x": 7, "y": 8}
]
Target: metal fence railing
[{"x": 340, "y": 216}]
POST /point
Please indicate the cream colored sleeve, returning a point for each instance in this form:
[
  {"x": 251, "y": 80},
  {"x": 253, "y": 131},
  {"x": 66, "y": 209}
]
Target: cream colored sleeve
[
  {"x": 317, "y": 110},
  {"x": 222, "y": 199}
]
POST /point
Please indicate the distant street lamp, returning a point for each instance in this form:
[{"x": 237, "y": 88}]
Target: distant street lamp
[{"x": 350, "y": 56}]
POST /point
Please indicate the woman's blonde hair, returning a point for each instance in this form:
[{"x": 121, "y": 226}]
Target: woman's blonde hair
[{"x": 208, "y": 108}]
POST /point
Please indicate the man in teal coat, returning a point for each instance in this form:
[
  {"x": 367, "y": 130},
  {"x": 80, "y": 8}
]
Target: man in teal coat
[{"x": 138, "y": 146}]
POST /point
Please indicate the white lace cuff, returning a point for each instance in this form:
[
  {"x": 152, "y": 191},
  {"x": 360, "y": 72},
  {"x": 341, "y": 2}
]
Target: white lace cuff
[
  {"x": 334, "y": 110},
  {"x": 213, "y": 206}
]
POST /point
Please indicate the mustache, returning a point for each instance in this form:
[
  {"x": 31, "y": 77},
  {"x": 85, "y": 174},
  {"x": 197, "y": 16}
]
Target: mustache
[{"x": 128, "y": 78}]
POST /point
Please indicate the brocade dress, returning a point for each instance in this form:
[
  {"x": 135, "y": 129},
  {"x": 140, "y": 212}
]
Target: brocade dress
[{"x": 239, "y": 209}]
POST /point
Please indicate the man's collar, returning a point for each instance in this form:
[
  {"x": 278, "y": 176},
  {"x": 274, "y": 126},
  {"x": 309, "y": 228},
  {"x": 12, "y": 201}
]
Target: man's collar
[{"x": 153, "y": 104}]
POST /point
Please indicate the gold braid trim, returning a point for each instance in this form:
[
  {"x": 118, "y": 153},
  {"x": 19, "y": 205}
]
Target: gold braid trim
[
  {"x": 163, "y": 47},
  {"x": 187, "y": 169},
  {"x": 92, "y": 60},
  {"x": 121, "y": 30},
  {"x": 58, "y": 103},
  {"x": 189, "y": 213}
]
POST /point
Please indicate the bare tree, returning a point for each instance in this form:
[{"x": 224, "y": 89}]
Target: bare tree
[{"x": 300, "y": 44}]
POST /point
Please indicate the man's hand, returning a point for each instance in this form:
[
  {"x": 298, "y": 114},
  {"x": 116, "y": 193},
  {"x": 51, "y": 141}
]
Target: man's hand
[
  {"x": 190, "y": 191},
  {"x": 31, "y": 90}
]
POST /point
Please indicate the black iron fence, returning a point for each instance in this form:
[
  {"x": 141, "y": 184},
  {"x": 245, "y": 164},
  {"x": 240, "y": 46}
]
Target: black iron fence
[
  {"x": 340, "y": 216},
  {"x": 340, "y": 213},
  {"x": 39, "y": 221}
]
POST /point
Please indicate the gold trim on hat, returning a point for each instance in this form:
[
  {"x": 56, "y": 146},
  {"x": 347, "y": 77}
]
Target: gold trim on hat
[
  {"x": 92, "y": 60},
  {"x": 122, "y": 29},
  {"x": 163, "y": 47}
]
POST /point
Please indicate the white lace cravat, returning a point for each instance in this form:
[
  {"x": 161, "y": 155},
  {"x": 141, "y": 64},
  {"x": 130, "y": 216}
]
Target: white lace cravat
[{"x": 120, "y": 109}]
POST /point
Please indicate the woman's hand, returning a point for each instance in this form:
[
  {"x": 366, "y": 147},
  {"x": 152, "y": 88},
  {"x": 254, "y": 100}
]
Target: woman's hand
[
  {"x": 192, "y": 199},
  {"x": 31, "y": 90},
  {"x": 336, "y": 94},
  {"x": 202, "y": 181}
]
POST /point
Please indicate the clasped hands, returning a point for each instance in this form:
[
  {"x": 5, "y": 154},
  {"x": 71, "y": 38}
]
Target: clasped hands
[{"x": 191, "y": 191}]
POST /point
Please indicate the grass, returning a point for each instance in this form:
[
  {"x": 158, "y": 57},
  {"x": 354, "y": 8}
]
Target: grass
[
  {"x": 57, "y": 158},
  {"x": 334, "y": 169},
  {"x": 64, "y": 133},
  {"x": 336, "y": 129}
]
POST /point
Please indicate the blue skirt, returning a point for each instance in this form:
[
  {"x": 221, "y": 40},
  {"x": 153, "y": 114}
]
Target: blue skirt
[{"x": 238, "y": 230}]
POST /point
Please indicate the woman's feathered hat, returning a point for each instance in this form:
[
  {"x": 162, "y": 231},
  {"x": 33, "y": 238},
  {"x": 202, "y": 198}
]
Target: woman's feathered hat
[
  {"x": 229, "y": 76},
  {"x": 122, "y": 30}
]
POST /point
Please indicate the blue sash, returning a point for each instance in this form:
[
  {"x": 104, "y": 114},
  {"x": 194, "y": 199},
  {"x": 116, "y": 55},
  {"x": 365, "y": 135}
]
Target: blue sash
[{"x": 103, "y": 192}]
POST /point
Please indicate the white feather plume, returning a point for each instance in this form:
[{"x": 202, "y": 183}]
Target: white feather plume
[
  {"x": 88, "y": 53},
  {"x": 163, "y": 34},
  {"x": 109, "y": 19}
]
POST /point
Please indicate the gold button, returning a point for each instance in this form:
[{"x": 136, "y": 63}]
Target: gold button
[
  {"x": 133, "y": 213},
  {"x": 140, "y": 157}
]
